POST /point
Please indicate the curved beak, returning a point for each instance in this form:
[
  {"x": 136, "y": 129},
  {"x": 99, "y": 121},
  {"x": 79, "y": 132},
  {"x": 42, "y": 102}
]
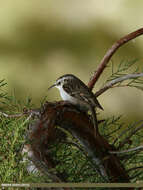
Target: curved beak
[{"x": 51, "y": 86}]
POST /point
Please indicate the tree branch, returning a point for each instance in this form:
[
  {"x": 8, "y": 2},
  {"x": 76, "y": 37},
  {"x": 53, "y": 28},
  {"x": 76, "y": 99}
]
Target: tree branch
[
  {"x": 12, "y": 115},
  {"x": 80, "y": 126},
  {"x": 30, "y": 113},
  {"x": 110, "y": 53},
  {"x": 118, "y": 80},
  {"x": 125, "y": 151}
]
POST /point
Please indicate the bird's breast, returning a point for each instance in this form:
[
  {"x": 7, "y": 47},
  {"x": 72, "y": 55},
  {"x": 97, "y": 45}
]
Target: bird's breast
[{"x": 66, "y": 97}]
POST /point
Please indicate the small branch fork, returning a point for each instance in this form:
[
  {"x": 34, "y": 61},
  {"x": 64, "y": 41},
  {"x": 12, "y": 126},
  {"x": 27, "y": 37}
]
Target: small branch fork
[
  {"x": 118, "y": 80},
  {"x": 110, "y": 53}
]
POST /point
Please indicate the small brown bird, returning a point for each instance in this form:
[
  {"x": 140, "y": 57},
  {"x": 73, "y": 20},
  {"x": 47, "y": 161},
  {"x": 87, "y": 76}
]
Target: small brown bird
[{"x": 72, "y": 89}]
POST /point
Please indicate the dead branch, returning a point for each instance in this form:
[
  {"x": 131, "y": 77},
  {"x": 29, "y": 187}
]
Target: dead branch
[
  {"x": 118, "y": 80},
  {"x": 80, "y": 126},
  {"x": 110, "y": 53},
  {"x": 41, "y": 134}
]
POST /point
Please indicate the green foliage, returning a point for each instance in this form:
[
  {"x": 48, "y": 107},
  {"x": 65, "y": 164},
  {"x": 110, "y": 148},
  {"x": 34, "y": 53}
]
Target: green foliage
[
  {"x": 119, "y": 135},
  {"x": 12, "y": 133},
  {"x": 73, "y": 164},
  {"x": 11, "y": 168},
  {"x": 123, "y": 68}
]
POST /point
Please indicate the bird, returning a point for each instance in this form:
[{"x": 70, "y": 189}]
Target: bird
[{"x": 72, "y": 89}]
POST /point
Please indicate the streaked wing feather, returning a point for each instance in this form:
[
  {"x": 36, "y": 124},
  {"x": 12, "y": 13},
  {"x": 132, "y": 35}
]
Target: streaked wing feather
[{"x": 81, "y": 92}]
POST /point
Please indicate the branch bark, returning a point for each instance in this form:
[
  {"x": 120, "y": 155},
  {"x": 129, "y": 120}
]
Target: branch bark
[
  {"x": 80, "y": 126},
  {"x": 118, "y": 80},
  {"x": 126, "y": 151},
  {"x": 110, "y": 53}
]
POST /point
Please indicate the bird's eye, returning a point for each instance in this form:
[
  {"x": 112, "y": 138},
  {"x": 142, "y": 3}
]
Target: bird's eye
[{"x": 59, "y": 83}]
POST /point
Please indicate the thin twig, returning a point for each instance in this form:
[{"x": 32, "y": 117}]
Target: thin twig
[
  {"x": 110, "y": 53},
  {"x": 118, "y": 80},
  {"x": 28, "y": 118},
  {"x": 125, "y": 151},
  {"x": 114, "y": 131},
  {"x": 131, "y": 134},
  {"x": 12, "y": 115},
  {"x": 125, "y": 131},
  {"x": 135, "y": 168},
  {"x": 25, "y": 112}
]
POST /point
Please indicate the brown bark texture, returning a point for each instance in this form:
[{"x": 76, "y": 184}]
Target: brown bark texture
[{"x": 79, "y": 124}]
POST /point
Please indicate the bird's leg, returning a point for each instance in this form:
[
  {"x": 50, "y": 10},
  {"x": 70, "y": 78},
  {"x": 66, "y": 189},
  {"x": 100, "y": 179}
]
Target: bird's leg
[{"x": 95, "y": 122}]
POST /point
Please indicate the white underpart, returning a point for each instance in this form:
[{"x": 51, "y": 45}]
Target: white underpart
[{"x": 66, "y": 97}]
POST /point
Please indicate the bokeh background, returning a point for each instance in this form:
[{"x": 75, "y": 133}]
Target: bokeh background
[{"x": 42, "y": 40}]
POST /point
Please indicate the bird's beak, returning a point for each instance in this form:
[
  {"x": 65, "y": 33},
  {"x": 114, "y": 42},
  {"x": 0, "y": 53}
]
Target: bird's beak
[{"x": 51, "y": 86}]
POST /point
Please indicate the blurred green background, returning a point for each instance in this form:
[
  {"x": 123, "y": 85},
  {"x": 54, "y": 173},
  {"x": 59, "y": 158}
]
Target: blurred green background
[{"x": 42, "y": 40}]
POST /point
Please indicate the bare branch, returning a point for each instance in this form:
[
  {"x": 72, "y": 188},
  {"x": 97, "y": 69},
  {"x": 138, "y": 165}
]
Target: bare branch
[
  {"x": 118, "y": 80},
  {"x": 31, "y": 113},
  {"x": 125, "y": 151},
  {"x": 110, "y": 53},
  {"x": 12, "y": 115},
  {"x": 28, "y": 118}
]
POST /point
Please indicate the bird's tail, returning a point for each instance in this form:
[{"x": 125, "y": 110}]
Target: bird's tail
[{"x": 95, "y": 122}]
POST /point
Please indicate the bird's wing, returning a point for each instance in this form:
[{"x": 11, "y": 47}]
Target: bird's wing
[
  {"x": 82, "y": 93},
  {"x": 74, "y": 92},
  {"x": 88, "y": 95}
]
